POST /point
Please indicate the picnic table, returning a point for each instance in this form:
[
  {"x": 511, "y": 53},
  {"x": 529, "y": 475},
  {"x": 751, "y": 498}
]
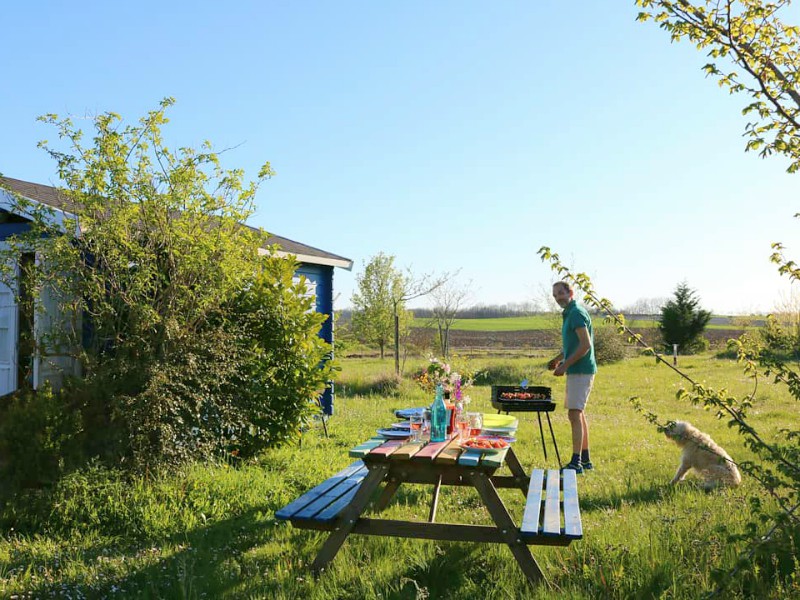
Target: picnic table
[{"x": 339, "y": 504}]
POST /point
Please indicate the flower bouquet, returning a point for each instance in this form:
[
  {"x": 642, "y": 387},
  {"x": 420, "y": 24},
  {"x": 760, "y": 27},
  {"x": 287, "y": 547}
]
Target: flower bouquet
[{"x": 439, "y": 372}]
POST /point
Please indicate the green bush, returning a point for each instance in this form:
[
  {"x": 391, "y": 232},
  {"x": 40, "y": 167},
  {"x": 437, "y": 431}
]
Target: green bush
[
  {"x": 609, "y": 346},
  {"x": 283, "y": 366},
  {"x": 502, "y": 374},
  {"x": 698, "y": 346},
  {"x": 780, "y": 339},
  {"x": 40, "y": 437},
  {"x": 245, "y": 382}
]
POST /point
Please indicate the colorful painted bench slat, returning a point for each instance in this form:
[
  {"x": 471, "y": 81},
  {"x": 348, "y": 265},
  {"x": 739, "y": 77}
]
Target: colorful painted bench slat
[
  {"x": 469, "y": 458},
  {"x": 552, "y": 514},
  {"x": 406, "y": 451},
  {"x": 450, "y": 454},
  {"x": 494, "y": 459},
  {"x": 572, "y": 514},
  {"x": 327, "y": 492},
  {"x": 533, "y": 506},
  {"x": 387, "y": 448},
  {"x": 364, "y": 448},
  {"x": 543, "y": 516},
  {"x": 431, "y": 450}
]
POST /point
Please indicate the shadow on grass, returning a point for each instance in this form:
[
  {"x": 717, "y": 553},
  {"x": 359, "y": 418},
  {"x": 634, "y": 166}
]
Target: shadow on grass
[
  {"x": 615, "y": 499},
  {"x": 201, "y": 566}
]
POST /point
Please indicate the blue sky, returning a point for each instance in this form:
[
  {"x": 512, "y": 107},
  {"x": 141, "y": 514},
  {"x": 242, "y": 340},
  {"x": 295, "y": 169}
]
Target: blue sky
[{"x": 453, "y": 135}]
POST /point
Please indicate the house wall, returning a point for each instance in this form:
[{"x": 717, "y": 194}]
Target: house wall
[
  {"x": 16, "y": 364},
  {"x": 321, "y": 278},
  {"x": 9, "y": 229}
]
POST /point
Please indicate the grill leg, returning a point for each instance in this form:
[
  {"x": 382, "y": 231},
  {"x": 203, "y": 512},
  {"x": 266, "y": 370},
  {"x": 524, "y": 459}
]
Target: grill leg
[
  {"x": 555, "y": 444},
  {"x": 541, "y": 433}
]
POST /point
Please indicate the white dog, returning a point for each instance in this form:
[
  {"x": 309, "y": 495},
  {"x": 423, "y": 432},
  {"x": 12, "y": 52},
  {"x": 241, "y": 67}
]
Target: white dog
[{"x": 703, "y": 455}]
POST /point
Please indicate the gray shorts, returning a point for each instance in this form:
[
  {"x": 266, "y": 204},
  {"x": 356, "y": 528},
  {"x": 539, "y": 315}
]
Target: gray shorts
[{"x": 578, "y": 388}]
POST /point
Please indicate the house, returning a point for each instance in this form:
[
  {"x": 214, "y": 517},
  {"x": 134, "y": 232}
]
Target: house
[{"x": 315, "y": 264}]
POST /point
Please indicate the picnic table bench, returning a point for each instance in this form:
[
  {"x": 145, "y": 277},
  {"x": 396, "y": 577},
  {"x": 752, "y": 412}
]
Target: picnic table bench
[{"x": 551, "y": 516}]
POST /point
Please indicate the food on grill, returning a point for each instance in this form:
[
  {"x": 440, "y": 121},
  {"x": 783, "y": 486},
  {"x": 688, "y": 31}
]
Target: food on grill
[
  {"x": 523, "y": 396},
  {"x": 512, "y": 398}
]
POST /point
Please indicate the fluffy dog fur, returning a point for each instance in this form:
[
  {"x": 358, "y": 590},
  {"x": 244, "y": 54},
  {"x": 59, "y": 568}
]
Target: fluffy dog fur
[{"x": 703, "y": 455}]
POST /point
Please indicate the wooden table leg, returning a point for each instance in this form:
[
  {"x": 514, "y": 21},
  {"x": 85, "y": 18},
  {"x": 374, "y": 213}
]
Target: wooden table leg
[
  {"x": 435, "y": 500},
  {"x": 387, "y": 494},
  {"x": 348, "y": 518},
  {"x": 507, "y": 527},
  {"x": 518, "y": 471}
]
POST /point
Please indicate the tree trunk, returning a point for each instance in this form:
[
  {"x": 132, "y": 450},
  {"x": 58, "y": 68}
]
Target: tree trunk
[
  {"x": 396, "y": 344},
  {"x": 382, "y": 344}
]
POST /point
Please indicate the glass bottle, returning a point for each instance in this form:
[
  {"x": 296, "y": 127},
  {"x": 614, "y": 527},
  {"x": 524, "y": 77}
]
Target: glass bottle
[
  {"x": 458, "y": 407},
  {"x": 438, "y": 416}
]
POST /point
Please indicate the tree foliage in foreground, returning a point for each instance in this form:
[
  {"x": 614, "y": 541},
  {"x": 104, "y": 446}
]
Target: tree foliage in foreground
[
  {"x": 190, "y": 343},
  {"x": 753, "y": 52}
]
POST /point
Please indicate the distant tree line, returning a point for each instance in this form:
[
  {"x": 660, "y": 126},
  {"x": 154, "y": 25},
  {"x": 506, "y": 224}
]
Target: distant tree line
[{"x": 478, "y": 311}]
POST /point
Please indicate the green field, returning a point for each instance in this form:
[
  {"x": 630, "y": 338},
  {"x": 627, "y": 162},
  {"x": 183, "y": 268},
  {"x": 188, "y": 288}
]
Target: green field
[
  {"x": 209, "y": 531},
  {"x": 541, "y": 322}
]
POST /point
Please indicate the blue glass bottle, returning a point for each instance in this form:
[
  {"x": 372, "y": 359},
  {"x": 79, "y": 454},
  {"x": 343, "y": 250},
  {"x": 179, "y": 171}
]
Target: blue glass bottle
[{"x": 438, "y": 416}]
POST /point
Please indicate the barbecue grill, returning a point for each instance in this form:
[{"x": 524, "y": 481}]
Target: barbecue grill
[{"x": 534, "y": 398}]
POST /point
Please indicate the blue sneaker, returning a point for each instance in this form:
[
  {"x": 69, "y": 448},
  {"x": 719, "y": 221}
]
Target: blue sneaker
[
  {"x": 587, "y": 466},
  {"x": 573, "y": 466}
]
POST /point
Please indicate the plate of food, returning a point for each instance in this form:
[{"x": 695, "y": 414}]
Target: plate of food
[{"x": 485, "y": 444}]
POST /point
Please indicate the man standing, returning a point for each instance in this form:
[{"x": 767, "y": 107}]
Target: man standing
[{"x": 576, "y": 360}]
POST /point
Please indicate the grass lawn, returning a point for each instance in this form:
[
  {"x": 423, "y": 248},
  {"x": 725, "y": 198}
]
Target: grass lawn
[{"x": 209, "y": 531}]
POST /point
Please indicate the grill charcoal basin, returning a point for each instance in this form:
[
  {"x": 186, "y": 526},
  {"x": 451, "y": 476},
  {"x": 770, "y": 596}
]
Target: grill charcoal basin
[{"x": 534, "y": 398}]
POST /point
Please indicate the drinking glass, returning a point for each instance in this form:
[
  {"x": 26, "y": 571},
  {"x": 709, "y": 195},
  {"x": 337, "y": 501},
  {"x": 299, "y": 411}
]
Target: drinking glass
[
  {"x": 462, "y": 427},
  {"x": 426, "y": 425},
  {"x": 475, "y": 423},
  {"x": 416, "y": 426}
]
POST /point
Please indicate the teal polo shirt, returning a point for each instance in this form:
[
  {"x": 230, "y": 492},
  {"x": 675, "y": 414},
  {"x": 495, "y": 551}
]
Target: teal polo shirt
[{"x": 574, "y": 317}]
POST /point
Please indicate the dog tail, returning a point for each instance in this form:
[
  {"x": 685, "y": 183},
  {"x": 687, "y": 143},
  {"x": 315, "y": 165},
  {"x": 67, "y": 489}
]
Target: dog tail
[{"x": 736, "y": 477}]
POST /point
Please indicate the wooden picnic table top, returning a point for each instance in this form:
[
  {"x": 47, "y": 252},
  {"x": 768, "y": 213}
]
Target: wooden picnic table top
[{"x": 449, "y": 452}]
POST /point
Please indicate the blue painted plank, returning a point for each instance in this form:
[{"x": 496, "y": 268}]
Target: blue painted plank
[
  {"x": 470, "y": 458},
  {"x": 334, "y": 508},
  {"x": 494, "y": 459},
  {"x": 572, "y": 514},
  {"x": 336, "y": 492},
  {"x": 533, "y": 505},
  {"x": 290, "y": 509},
  {"x": 552, "y": 509}
]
